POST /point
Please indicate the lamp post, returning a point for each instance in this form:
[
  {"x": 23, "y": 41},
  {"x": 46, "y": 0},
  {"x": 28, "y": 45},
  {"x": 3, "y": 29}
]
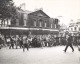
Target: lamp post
[{"x": 60, "y": 23}]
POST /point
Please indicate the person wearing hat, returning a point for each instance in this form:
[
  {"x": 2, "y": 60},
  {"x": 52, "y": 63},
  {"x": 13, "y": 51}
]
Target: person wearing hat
[{"x": 69, "y": 40}]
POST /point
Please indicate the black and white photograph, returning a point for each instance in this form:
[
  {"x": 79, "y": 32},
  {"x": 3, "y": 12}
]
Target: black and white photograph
[{"x": 39, "y": 31}]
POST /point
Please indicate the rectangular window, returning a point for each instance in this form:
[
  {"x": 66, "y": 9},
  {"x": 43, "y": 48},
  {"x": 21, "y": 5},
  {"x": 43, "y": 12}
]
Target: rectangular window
[
  {"x": 17, "y": 22},
  {"x": 55, "y": 25},
  {"x": 25, "y": 19},
  {"x": 9, "y": 22},
  {"x": 40, "y": 24},
  {"x": 51, "y": 25},
  {"x": 45, "y": 24},
  {"x": 24, "y": 22},
  {"x": 34, "y": 23},
  {"x": 6, "y": 23}
]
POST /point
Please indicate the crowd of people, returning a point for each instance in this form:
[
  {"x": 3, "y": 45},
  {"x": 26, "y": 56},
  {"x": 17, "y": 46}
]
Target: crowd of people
[{"x": 27, "y": 41}]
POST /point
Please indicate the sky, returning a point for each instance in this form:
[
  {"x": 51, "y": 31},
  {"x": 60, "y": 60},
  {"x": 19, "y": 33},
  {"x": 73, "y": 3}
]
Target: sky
[{"x": 64, "y": 10}]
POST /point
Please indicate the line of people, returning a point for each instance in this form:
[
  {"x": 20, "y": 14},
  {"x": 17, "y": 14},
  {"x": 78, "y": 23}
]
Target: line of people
[
  {"x": 27, "y": 42},
  {"x": 24, "y": 41}
]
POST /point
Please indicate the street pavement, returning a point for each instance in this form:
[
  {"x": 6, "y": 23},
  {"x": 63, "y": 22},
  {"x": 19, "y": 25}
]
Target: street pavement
[{"x": 45, "y": 55}]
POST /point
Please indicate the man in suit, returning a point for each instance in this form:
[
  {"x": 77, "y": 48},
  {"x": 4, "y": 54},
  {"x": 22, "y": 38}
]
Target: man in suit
[{"x": 69, "y": 40}]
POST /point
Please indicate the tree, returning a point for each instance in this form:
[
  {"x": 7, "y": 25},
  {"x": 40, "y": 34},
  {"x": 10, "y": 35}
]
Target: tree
[{"x": 7, "y": 9}]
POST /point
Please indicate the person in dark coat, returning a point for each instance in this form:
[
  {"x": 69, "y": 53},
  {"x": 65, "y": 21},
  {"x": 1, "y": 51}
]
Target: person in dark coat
[
  {"x": 69, "y": 43},
  {"x": 11, "y": 43},
  {"x": 34, "y": 42}
]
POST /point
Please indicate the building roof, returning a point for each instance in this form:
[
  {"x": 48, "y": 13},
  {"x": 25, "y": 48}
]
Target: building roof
[{"x": 41, "y": 13}]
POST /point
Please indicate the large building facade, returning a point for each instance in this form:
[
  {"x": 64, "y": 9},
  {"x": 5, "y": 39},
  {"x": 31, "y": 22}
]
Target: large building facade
[{"x": 36, "y": 22}]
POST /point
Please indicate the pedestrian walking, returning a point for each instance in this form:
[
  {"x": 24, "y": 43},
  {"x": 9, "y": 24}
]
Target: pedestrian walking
[
  {"x": 25, "y": 43},
  {"x": 69, "y": 40}
]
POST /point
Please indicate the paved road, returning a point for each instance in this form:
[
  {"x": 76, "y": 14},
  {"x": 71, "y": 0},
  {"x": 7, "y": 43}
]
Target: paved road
[{"x": 47, "y": 55}]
